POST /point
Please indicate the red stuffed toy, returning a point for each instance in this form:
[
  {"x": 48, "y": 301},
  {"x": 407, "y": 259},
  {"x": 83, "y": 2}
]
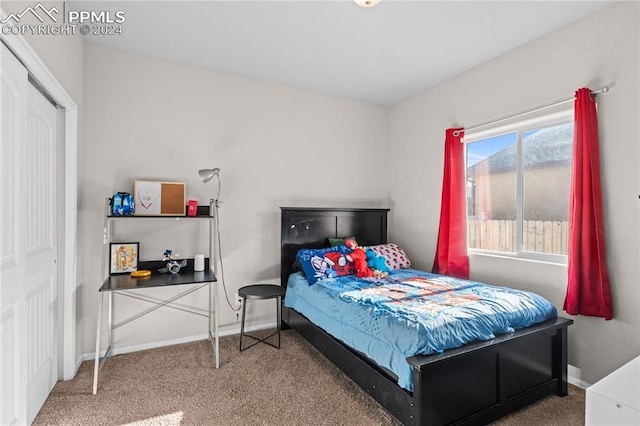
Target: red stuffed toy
[{"x": 359, "y": 258}]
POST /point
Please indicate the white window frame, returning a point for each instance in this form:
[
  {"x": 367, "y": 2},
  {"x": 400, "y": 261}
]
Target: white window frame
[{"x": 565, "y": 116}]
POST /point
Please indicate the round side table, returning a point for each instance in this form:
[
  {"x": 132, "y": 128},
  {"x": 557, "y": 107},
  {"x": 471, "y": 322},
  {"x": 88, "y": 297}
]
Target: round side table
[{"x": 261, "y": 292}]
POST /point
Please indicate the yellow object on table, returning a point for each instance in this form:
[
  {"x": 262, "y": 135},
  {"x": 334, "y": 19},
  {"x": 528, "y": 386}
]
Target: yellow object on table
[{"x": 141, "y": 273}]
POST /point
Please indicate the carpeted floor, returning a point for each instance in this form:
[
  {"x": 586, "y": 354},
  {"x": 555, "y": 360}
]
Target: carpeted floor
[{"x": 296, "y": 385}]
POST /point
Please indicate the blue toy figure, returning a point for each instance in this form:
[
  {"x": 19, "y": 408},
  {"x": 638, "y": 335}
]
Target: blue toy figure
[
  {"x": 173, "y": 266},
  {"x": 377, "y": 263}
]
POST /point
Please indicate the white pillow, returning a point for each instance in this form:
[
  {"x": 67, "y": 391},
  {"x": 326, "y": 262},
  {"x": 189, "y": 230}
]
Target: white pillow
[{"x": 395, "y": 257}]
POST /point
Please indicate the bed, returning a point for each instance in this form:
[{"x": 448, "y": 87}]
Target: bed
[{"x": 473, "y": 384}]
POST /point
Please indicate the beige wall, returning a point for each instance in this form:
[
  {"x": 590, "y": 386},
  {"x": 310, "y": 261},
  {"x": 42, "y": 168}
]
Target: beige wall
[
  {"x": 599, "y": 50},
  {"x": 276, "y": 146}
]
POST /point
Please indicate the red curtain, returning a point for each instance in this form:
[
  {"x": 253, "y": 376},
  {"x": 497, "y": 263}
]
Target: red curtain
[
  {"x": 588, "y": 289},
  {"x": 451, "y": 253}
]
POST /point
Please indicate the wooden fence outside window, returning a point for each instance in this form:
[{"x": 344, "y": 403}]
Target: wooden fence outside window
[{"x": 500, "y": 235}]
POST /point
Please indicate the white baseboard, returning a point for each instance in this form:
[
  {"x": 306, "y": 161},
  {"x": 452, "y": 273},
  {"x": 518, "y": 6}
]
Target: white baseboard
[
  {"x": 224, "y": 331},
  {"x": 77, "y": 367},
  {"x": 574, "y": 376}
]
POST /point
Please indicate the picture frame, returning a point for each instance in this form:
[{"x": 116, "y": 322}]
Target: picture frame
[
  {"x": 123, "y": 257},
  {"x": 158, "y": 198}
]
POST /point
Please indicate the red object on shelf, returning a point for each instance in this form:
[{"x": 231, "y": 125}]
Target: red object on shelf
[{"x": 192, "y": 208}]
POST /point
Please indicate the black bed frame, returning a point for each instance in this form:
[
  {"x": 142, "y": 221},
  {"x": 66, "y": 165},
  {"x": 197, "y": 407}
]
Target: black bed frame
[{"x": 474, "y": 384}]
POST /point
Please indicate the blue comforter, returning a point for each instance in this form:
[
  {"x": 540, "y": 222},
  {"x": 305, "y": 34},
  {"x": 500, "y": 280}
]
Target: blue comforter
[{"x": 412, "y": 313}]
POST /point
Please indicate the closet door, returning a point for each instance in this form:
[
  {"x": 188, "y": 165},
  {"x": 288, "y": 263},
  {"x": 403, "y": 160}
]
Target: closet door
[
  {"x": 13, "y": 111},
  {"x": 39, "y": 232},
  {"x": 28, "y": 287}
]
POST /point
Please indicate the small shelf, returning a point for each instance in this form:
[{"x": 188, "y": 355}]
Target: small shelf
[{"x": 161, "y": 217}]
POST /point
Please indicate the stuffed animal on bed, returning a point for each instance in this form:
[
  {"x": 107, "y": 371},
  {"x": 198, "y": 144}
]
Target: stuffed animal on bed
[
  {"x": 359, "y": 258},
  {"x": 377, "y": 263}
]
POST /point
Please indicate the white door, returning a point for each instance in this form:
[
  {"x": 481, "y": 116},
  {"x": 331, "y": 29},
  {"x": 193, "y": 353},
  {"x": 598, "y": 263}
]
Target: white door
[
  {"x": 28, "y": 287},
  {"x": 39, "y": 176},
  {"x": 13, "y": 111}
]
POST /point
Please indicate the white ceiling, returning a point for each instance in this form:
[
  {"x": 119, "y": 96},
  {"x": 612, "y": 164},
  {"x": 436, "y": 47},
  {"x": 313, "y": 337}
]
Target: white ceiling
[{"x": 383, "y": 54}]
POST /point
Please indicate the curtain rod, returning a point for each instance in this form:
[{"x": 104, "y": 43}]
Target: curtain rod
[{"x": 539, "y": 108}]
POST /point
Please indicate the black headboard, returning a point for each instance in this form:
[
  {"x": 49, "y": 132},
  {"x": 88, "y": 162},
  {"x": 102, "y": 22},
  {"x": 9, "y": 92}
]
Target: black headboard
[{"x": 304, "y": 227}]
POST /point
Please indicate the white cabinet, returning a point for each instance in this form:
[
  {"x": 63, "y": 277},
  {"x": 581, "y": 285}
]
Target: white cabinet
[{"x": 615, "y": 400}]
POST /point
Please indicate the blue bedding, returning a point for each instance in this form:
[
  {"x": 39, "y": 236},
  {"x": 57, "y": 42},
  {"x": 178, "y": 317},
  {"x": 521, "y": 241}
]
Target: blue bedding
[{"x": 412, "y": 312}]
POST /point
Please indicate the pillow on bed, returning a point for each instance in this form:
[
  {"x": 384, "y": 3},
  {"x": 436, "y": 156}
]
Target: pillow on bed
[
  {"x": 395, "y": 257},
  {"x": 339, "y": 241},
  {"x": 325, "y": 263},
  {"x": 297, "y": 267}
]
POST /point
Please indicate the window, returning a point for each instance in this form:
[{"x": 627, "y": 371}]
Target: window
[{"x": 518, "y": 183}]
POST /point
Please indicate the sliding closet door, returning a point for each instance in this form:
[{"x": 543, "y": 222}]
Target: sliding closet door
[
  {"x": 39, "y": 233},
  {"x": 12, "y": 350},
  {"x": 28, "y": 288}
]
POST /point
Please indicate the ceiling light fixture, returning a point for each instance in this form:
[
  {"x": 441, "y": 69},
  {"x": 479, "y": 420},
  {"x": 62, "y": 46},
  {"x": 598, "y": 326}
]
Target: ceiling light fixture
[{"x": 366, "y": 3}]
